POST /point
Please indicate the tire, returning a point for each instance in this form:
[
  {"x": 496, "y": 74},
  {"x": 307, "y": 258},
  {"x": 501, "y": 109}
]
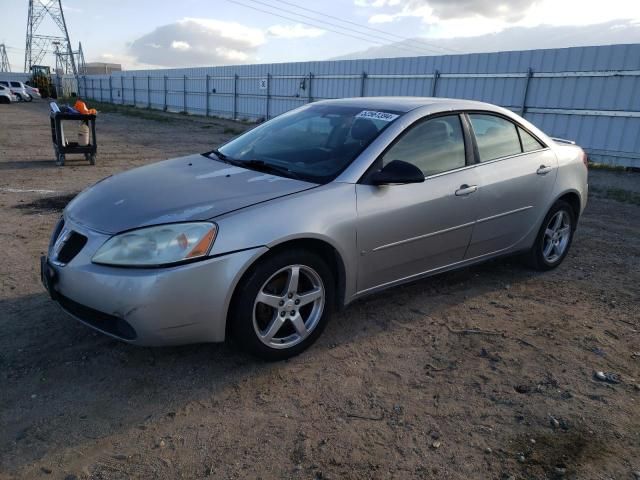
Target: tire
[
  {"x": 272, "y": 331},
  {"x": 5, "y": 100},
  {"x": 554, "y": 239},
  {"x": 92, "y": 159},
  {"x": 60, "y": 160},
  {"x": 29, "y": 98}
]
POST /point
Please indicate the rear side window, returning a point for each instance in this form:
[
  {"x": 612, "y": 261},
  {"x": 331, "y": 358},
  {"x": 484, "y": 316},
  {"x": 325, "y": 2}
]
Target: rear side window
[
  {"x": 6, "y": 84},
  {"x": 16, "y": 84},
  {"x": 495, "y": 136},
  {"x": 529, "y": 142},
  {"x": 434, "y": 146}
]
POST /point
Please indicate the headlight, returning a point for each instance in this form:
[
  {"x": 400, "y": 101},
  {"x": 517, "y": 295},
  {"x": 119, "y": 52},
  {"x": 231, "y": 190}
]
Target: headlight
[{"x": 160, "y": 245}]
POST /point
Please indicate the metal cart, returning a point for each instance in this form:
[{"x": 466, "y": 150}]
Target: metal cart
[{"x": 62, "y": 146}]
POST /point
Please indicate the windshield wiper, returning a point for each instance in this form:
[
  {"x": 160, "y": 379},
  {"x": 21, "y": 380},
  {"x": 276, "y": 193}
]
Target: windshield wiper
[
  {"x": 221, "y": 156},
  {"x": 267, "y": 168}
]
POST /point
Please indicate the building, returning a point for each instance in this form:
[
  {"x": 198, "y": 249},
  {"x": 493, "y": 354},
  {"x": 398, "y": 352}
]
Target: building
[{"x": 101, "y": 68}]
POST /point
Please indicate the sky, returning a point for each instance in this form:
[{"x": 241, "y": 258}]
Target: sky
[{"x": 158, "y": 34}]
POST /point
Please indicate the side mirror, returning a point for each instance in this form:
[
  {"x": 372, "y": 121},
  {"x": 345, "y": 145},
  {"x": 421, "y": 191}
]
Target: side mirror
[{"x": 397, "y": 172}]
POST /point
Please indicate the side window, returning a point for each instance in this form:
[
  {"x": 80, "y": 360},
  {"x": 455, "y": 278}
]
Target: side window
[
  {"x": 434, "y": 146},
  {"x": 496, "y": 137},
  {"x": 16, "y": 84},
  {"x": 529, "y": 142}
]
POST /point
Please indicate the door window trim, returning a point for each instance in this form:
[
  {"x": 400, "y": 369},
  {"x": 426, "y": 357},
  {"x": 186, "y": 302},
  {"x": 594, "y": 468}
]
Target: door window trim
[{"x": 469, "y": 152}]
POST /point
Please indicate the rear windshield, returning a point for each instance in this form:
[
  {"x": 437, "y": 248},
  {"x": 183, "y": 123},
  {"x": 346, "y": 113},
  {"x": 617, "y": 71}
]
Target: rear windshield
[{"x": 314, "y": 143}]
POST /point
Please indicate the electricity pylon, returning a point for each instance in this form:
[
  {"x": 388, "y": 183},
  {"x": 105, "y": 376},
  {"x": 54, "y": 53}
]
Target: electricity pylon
[
  {"x": 4, "y": 60},
  {"x": 38, "y": 46}
]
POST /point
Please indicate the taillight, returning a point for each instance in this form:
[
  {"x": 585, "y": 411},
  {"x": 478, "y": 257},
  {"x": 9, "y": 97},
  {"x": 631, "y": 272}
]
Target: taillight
[{"x": 585, "y": 159}]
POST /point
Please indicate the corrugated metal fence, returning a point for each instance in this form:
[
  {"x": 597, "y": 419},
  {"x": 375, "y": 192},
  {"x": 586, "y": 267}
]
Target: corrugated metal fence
[{"x": 588, "y": 94}]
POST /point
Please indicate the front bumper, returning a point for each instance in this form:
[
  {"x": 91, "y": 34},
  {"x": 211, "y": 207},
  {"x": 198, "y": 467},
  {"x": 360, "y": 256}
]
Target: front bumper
[{"x": 164, "y": 306}]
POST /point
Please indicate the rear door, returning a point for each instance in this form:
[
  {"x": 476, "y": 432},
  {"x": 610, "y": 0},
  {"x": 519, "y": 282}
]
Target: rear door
[
  {"x": 406, "y": 230},
  {"x": 516, "y": 175}
]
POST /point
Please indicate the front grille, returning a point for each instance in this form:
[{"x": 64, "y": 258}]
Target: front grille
[
  {"x": 72, "y": 246},
  {"x": 102, "y": 321}
]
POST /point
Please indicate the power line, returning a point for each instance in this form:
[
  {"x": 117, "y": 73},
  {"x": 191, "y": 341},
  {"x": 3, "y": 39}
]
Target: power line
[
  {"x": 417, "y": 41},
  {"x": 401, "y": 47},
  {"x": 378, "y": 40}
]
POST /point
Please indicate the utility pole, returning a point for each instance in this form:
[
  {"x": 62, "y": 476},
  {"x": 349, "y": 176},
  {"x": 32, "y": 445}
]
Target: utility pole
[
  {"x": 39, "y": 45},
  {"x": 4, "y": 60}
]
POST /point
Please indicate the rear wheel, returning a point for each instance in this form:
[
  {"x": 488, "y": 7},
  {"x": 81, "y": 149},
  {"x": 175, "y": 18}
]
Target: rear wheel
[
  {"x": 554, "y": 238},
  {"x": 282, "y": 305}
]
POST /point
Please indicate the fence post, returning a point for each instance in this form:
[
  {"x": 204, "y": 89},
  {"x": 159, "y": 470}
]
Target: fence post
[
  {"x": 310, "y": 93},
  {"x": 526, "y": 91},
  {"x": 434, "y": 85},
  {"x": 148, "y": 91},
  {"x": 235, "y": 96},
  {"x": 184, "y": 93},
  {"x": 110, "y": 90},
  {"x": 135, "y": 104},
  {"x": 266, "y": 117},
  {"x": 165, "y": 92},
  {"x": 93, "y": 89},
  {"x": 122, "y": 89},
  {"x": 363, "y": 79},
  {"x": 206, "y": 96},
  {"x": 84, "y": 91}
]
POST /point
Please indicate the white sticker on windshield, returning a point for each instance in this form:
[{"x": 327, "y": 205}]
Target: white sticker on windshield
[{"x": 384, "y": 116}]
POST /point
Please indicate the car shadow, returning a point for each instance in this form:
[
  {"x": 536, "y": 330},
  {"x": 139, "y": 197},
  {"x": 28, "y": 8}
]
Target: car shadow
[{"x": 64, "y": 384}]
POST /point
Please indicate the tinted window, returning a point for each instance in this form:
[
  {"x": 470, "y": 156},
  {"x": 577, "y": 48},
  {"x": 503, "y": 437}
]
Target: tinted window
[
  {"x": 6, "y": 84},
  {"x": 496, "y": 137},
  {"x": 16, "y": 84},
  {"x": 434, "y": 146},
  {"x": 529, "y": 142}
]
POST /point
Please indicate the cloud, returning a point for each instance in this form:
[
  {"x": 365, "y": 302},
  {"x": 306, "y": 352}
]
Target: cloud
[
  {"x": 511, "y": 11},
  {"x": 381, "y": 18},
  {"x": 197, "y": 42},
  {"x": 294, "y": 31}
]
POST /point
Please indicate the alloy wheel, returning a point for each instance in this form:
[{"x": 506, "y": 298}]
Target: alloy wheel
[
  {"x": 289, "y": 306},
  {"x": 556, "y": 236}
]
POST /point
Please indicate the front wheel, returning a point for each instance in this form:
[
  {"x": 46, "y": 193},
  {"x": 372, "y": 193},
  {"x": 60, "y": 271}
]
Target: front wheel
[
  {"x": 554, "y": 238},
  {"x": 282, "y": 305}
]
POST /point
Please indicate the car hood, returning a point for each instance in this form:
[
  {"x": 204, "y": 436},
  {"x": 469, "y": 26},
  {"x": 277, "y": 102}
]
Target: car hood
[{"x": 183, "y": 189}]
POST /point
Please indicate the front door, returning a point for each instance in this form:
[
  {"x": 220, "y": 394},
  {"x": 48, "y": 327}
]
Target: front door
[{"x": 406, "y": 230}]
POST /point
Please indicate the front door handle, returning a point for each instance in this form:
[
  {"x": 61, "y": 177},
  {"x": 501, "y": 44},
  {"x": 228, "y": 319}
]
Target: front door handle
[
  {"x": 543, "y": 170},
  {"x": 466, "y": 190}
]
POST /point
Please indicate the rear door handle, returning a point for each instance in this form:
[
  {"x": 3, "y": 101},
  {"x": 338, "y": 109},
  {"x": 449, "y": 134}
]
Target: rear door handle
[
  {"x": 543, "y": 170},
  {"x": 466, "y": 190}
]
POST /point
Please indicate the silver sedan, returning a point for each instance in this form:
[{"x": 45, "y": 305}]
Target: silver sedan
[{"x": 262, "y": 239}]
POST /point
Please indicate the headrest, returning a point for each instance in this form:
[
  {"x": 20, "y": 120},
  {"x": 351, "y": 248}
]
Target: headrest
[
  {"x": 363, "y": 129},
  {"x": 436, "y": 130}
]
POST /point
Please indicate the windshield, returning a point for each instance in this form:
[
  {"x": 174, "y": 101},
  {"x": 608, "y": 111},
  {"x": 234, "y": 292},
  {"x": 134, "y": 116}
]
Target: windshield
[{"x": 313, "y": 143}]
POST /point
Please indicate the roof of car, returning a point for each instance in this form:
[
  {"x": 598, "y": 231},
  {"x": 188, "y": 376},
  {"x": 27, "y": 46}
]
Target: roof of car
[{"x": 405, "y": 104}]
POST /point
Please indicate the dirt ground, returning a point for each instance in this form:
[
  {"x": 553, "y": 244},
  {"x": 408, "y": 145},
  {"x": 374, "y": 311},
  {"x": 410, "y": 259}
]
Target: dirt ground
[{"x": 394, "y": 388}]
